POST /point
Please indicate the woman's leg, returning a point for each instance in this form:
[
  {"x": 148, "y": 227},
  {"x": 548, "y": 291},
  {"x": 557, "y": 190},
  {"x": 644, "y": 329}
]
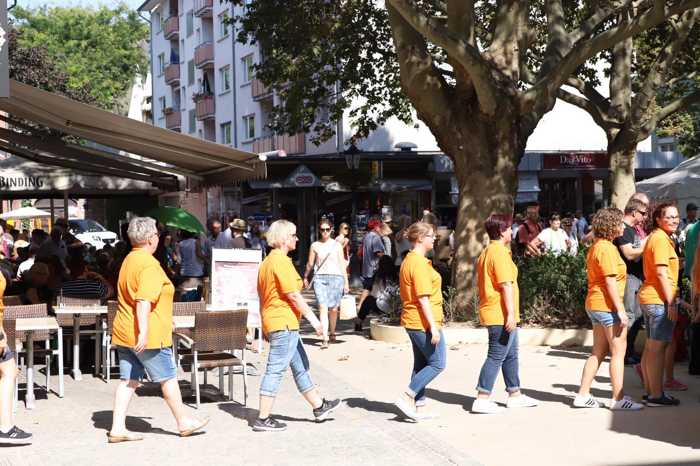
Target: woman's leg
[
  {"x": 278, "y": 360},
  {"x": 8, "y": 372},
  {"x": 497, "y": 353},
  {"x": 323, "y": 317},
  {"x": 299, "y": 364},
  {"x": 332, "y": 320},
  {"x": 616, "y": 337},
  {"x": 510, "y": 366},
  {"x": 670, "y": 360},
  {"x": 654, "y": 359},
  {"x": 600, "y": 350}
]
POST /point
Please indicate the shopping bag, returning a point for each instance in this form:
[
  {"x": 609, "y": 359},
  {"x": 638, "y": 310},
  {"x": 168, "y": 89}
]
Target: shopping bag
[{"x": 348, "y": 308}]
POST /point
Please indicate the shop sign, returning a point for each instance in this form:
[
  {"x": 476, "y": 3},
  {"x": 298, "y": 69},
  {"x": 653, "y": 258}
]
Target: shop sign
[
  {"x": 576, "y": 160},
  {"x": 10, "y": 183},
  {"x": 302, "y": 177}
]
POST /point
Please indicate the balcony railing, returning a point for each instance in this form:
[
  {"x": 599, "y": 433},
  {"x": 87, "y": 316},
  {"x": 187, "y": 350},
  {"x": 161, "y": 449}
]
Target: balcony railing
[
  {"x": 294, "y": 144},
  {"x": 258, "y": 89},
  {"x": 173, "y": 120},
  {"x": 203, "y": 8},
  {"x": 204, "y": 55},
  {"x": 205, "y": 107},
  {"x": 172, "y": 74},
  {"x": 171, "y": 28}
]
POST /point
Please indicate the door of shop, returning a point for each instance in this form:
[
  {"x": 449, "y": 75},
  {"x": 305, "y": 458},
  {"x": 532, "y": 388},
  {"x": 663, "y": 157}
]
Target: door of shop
[{"x": 558, "y": 195}]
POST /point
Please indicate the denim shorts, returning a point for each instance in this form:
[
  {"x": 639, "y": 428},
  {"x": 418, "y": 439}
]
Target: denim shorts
[
  {"x": 659, "y": 326},
  {"x": 604, "y": 318},
  {"x": 158, "y": 363},
  {"x": 329, "y": 290},
  {"x": 7, "y": 355}
]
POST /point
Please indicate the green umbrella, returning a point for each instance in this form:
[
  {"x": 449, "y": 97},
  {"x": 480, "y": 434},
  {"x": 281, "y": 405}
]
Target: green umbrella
[{"x": 176, "y": 218}]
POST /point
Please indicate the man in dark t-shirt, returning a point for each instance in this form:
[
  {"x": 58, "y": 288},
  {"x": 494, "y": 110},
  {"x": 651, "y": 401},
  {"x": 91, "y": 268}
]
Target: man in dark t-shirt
[{"x": 631, "y": 247}]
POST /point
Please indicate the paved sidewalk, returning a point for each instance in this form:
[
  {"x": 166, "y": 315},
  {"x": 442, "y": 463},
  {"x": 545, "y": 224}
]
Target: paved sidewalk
[{"x": 368, "y": 375}]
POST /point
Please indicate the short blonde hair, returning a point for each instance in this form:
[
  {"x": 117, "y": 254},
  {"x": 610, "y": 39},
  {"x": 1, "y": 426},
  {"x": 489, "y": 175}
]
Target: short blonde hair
[
  {"x": 606, "y": 223},
  {"x": 418, "y": 231},
  {"x": 141, "y": 229},
  {"x": 279, "y": 232}
]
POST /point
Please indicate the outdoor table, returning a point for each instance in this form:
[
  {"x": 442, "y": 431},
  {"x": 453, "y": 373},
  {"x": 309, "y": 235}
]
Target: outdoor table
[
  {"x": 77, "y": 311},
  {"x": 31, "y": 325}
]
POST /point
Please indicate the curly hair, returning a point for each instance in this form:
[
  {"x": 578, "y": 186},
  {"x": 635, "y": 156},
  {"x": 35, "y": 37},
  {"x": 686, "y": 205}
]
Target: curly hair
[{"x": 606, "y": 223}]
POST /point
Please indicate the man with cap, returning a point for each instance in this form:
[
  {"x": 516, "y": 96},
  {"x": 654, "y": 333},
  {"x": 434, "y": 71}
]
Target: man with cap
[{"x": 232, "y": 237}]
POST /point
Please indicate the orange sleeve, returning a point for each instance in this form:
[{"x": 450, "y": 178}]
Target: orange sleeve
[
  {"x": 422, "y": 282},
  {"x": 502, "y": 270},
  {"x": 150, "y": 284},
  {"x": 286, "y": 278},
  {"x": 661, "y": 253},
  {"x": 606, "y": 263}
]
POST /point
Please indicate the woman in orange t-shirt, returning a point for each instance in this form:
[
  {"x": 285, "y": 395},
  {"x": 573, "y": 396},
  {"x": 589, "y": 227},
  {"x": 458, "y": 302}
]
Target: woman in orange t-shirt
[
  {"x": 421, "y": 294},
  {"x": 607, "y": 274}
]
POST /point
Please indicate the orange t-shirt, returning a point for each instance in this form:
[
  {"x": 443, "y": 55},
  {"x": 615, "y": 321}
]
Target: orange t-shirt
[
  {"x": 659, "y": 250},
  {"x": 603, "y": 260},
  {"x": 141, "y": 278},
  {"x": 276, "y": 278},
  {"x": 418, "y": 278},
  {"x": 494, "y": 267}
]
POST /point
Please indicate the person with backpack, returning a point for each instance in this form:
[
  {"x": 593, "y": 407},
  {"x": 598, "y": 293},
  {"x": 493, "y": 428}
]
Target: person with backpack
[{"x": 371, "y": 250}]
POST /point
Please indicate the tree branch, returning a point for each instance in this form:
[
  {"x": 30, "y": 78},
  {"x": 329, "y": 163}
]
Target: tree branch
[
  {"x": 584, "y": 49},
  {"x": 510, "y": 24},
  {"x": 593, "y": 110},
  {"x": 460, "y": 20},
  {"x": 469, "y": 57},
  {"x": 678, "y": 105},
  {"x": 559, "y": 42},
  {"x": 595, "y": 20}
]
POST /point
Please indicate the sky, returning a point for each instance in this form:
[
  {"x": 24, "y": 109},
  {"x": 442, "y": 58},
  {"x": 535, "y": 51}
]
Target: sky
[{"x": 37, "y": 3}]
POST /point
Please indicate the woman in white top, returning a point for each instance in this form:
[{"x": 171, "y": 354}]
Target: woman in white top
[
  {"x": 330, "y": 279},
  {"x": 554, "y": 239}
]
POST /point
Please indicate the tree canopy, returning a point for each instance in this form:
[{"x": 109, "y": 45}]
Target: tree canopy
[{"x": 97, "y": 48}]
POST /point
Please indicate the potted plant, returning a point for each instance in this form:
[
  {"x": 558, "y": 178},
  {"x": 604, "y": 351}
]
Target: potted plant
[{"x": 388, "y": 327}]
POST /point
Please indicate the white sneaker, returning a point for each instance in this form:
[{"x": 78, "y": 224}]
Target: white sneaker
[
  {"x": 625, "y": 404},
  {"x": 586, "y": 402},
  {"x": 521, "y": 401},
  {"x": 407, "y": 410},
  {"x": 426, "y": 415},
  {"x": 485, "y": 406}
]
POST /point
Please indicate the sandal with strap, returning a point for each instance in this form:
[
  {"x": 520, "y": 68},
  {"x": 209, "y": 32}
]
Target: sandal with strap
[{"x": 128, "y": 437}]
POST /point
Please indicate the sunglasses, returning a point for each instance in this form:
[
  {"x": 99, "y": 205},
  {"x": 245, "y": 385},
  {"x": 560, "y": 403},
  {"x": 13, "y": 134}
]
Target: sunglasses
[
  {"x": 643, "y": 213},
  {"x": 325, "y": 229}
]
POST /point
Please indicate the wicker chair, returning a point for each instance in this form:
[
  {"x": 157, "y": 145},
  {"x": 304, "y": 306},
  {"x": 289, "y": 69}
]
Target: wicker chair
[
  {"x": 27, "y": 311},
  {"x": 185, "y": 308},
  {"x": 108, "y": 352},
  {"x": 216, "y": 335}
]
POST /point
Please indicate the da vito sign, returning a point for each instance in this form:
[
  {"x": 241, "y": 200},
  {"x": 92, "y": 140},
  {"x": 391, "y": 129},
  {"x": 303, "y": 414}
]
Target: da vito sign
[{"x": 575, "y": 160}]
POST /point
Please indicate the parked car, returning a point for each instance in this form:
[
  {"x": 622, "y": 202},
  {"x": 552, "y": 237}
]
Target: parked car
[{"x": 92, "y": 233}]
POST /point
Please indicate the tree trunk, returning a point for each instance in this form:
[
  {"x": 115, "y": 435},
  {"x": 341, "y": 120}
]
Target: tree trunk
[
  {"x": 486, "y": 169},
  {"x": 621, "y": 175}
]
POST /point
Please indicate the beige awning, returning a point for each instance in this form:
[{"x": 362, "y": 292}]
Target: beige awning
[{"x": 206, "y": 161}]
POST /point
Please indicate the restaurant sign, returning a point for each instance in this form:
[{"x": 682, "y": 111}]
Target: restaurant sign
[
  {"x": 576, "y": 160},
  {"x": 10, "y": 183}
]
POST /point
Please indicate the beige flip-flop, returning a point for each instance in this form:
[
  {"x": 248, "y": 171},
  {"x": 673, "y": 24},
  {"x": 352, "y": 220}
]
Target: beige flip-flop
[
  {"x": 129, "y": 437},
  {"x": 192, "y": 430}
]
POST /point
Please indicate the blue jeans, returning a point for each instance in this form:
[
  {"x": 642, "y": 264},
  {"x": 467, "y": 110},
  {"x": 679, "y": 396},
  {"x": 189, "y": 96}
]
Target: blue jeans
[
  {"x": 428, "y": 361},
  {"x": 158, "y": 363},
  {"x": 502, "y": 355},
  {"x": 286, "y": 350}
]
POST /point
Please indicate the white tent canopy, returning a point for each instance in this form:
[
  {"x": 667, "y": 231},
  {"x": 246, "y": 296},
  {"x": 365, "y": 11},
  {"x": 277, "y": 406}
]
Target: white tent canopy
[
  {"x": 682, "y": 184},
  {"x": 25, "y": 213}
]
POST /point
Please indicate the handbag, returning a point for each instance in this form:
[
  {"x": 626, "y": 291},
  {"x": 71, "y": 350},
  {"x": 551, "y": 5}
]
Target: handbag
[{"x": 348, "y": 308}]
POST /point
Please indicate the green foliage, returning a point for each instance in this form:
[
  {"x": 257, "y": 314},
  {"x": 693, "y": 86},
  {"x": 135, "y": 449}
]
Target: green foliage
[
  {"x": 553, "y": 289},
  {"x": 100, "y": 48}
]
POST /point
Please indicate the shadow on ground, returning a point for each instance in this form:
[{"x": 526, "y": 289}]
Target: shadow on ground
[
  {"x": 249, "y": 415},
  {"x": 675, "y": 425},
  {"x": 377, "y": 407},
  {"x": 103, "y": 420}
]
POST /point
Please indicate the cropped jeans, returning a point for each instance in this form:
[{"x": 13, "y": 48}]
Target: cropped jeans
[
  {"x": 286, "y": 350},
  {"x": 428, "y": 361},
  {"x": 502, "y": 355}
]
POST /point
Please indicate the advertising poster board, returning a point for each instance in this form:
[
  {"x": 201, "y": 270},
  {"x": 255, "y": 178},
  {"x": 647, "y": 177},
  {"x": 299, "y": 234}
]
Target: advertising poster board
[{"x": 234, "y": 281}]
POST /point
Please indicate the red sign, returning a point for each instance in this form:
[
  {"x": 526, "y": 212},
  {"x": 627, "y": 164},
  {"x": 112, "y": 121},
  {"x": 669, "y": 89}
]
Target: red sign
[{"x": 576, "y": 160}]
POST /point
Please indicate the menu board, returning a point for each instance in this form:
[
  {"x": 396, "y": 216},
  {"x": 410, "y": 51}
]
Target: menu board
[{"x": 234, "y": 281}]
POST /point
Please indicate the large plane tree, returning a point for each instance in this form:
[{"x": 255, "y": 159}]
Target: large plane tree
[{"x": 479, "y": 74}]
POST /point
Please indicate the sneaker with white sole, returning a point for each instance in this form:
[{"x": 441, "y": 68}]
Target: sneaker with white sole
[
  {"x": 407, "y": 410},
  {"x": 625, "y": 404},
  {"x": 327, "y": 407},
  {"x": 521, "y": 401},
  {"x": 268, "y": 424},
  {"x": 15, "y": 436},
  {"x": 586, "y": 402},
  {"x": 485, "y": 406}
]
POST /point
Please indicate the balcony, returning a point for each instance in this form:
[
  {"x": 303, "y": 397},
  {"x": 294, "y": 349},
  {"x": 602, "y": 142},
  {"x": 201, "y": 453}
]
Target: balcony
[
  {"x": 203, "y": 8},
  {"x": 172, "y": 74},
  {"x": 171, "y": 29},
  {"x": 205, "y": 107},
  {"x": 291, "y": 145},
  {"x": 259, "y": 90},
  {"x": 173, "y": 119},
  {"x": 204, "y": 55}
]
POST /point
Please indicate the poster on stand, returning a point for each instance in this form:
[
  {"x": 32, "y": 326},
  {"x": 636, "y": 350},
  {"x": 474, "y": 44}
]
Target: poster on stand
[{"x": 234, "y": 281}]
